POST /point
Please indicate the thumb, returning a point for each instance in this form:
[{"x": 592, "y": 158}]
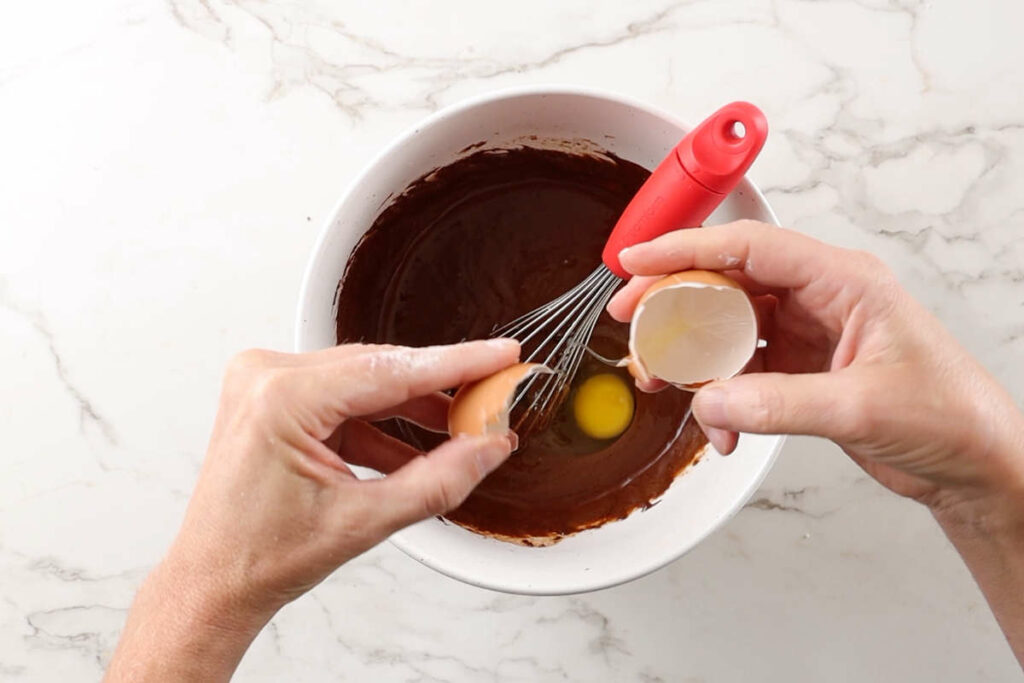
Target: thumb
[
  {"x": 439, "y": 481},
  {"x": 775, "y": 403}
]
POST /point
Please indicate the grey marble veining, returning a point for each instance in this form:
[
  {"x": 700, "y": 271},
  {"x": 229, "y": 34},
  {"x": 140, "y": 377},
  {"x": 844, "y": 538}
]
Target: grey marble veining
[{"x": 164, "y": 169}]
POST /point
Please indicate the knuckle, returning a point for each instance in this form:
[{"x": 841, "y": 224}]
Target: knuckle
[
  {"x": 860, "y": 417},
  {"x": 359, "y": 516},
  {"x": 387, "y": 370},
  {"x": 381, "y": 348},
  {"x": 888, "y": 285},
  {"x": 356, "y": 349},
  {"x": 767, "y": 408},
  {"x": 239, "y": 371},
  {"x": 267, "y": 388},
  {"x": 439, "y": 499},
  {"x": 889, "y": 294},
  {"x": 868, "y": 262},
  {"x": 246, "y": 361},
  {"x": 879, "y": 279},
  {"x": 749, "y": 224},
  {"x": 367, "y": 364},
  {"x": 756, "y": 231},
  {"x": 758, "y": 236}
]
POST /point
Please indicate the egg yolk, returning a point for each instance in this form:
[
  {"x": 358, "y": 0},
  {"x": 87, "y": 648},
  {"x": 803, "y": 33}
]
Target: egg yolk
[{"x": 603, "y": 406}]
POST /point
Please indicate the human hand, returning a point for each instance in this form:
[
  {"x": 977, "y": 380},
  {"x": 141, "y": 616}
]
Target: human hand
[
  {"x": 851, "y": 357},
  {"x": 275, "y": 509}
]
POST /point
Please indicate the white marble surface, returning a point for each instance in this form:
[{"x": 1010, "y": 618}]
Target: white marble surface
[{"x": 164, "y": 169}]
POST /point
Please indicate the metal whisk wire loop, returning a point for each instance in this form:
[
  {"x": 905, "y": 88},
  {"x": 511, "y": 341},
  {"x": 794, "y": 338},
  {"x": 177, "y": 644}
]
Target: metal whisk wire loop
[{"x": 556, "y": 335}]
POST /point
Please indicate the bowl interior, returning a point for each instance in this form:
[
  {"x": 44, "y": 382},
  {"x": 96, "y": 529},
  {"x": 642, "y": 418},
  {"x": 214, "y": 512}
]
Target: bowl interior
[{"x": 699, "y": 500}]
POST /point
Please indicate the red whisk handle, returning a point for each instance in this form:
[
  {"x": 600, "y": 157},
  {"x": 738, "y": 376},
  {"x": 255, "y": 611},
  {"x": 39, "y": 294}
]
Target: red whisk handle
[{"x": 690, "y": 183}]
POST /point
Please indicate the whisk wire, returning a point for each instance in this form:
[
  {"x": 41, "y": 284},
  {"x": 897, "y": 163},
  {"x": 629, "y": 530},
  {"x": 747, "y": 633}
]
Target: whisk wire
[
  {"x": 564, "y": 326},
  {"x": 543, "y": 314},
  {"x": 581, "y": 308},
  {"x": 553, "y": 392}
]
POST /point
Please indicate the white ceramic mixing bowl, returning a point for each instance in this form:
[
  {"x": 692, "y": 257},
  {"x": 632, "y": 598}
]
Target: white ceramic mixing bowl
[{"x": 701, "y": 499}]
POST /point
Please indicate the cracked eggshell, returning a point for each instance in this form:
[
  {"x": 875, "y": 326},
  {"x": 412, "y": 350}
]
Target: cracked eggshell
[
  {"x": 692, "y": 328},
  {"x": 482, "y": 407}
]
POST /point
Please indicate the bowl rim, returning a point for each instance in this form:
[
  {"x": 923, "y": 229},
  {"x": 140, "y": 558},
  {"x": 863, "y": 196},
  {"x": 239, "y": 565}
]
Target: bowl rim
[
  {"x": 578, "y": 583},
  {"x": 582, "y": 583}
]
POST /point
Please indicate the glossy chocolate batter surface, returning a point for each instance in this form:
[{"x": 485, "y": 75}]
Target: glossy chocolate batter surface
[{"x": 478, "y": 243}]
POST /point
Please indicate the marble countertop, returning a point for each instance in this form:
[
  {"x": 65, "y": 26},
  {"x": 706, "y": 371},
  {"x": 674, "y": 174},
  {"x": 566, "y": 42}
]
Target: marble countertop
[{"x": 166, "y": 166}]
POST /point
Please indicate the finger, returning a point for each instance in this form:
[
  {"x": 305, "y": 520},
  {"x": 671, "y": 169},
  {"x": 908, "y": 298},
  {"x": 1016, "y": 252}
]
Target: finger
[
  {"x": 723, "y": 440},
  {"x": 625, "y": 300},
  {"x": 777, "y": 403},
  {"x": 651, "y": 386},
  {"x": 438, "y": 482},
  {"x": 752, "y": 286},
  {"x": 429, "y": 412},
  {"x": 373, "y": 382},
  {"x": 360, "y": 443},
  {"x": 330, "y": 354},
  {"x": 768, "y": 255},
  {"x": 340, "y": 352}
]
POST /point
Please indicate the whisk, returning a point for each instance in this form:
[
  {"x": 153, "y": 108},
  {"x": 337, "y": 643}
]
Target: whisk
[{"x": 682, "y": 192}]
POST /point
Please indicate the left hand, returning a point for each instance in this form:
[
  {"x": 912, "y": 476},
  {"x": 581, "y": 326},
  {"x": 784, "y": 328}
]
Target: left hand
[{"x": 276, "y": 509}]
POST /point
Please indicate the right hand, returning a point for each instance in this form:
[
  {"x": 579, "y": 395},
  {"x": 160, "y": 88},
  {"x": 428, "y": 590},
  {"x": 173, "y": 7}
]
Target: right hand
[{"x": 852, "y": 357}]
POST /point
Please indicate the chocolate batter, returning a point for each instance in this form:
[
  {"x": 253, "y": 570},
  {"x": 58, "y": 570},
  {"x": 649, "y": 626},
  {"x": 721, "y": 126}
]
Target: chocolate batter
[{"x": 477, "y": 243}]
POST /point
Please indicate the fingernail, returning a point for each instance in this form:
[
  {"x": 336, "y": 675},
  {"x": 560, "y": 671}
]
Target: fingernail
[
  {"x": 709, "y": 406},
  {"x": 624, "y": 255},
  {"x": 513, "y": 441},
  {"x": 720, "y": 439},
  {"x": 649, "y": 386},
  {"x": 612, "y": 307}
]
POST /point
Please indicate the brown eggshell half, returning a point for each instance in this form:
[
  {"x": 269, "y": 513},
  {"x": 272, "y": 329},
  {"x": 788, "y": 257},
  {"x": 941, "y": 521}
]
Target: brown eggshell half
[
  {"x": 636, "y": 365},
  {"x": 482, "y": 407}
]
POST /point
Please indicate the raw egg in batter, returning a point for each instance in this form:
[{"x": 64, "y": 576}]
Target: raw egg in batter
[{"x": 603, "y": 406}]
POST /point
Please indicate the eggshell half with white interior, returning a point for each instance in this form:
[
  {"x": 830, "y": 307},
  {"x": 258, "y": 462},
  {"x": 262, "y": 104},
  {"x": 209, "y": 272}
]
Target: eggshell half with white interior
[{"x": 692, "y": 328}]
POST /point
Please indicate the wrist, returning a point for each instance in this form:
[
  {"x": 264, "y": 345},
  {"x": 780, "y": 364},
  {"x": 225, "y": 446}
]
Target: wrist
[
  {"x": 208, "y": 601},
  {"x": 989, "y": 517},
  {"x": 185, "y": 625},
  {"x": 992, "y": 506},
  {"x": 986, "y": 526}
]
